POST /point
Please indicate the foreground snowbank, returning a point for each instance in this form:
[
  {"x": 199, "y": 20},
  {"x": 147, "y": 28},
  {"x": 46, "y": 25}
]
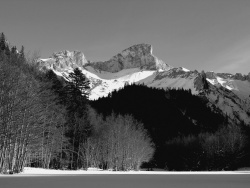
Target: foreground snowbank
[{"x": 39, "y": 171}]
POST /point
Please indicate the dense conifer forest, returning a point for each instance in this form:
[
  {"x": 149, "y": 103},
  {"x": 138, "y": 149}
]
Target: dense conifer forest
[{"x": 47, "y": 121}]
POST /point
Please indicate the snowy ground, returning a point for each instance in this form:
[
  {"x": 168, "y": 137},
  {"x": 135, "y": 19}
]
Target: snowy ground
[
  {"x": 39, "y": 178},
  {"x": 94, "y": 178},
  {"x": 91, "y": 171}
]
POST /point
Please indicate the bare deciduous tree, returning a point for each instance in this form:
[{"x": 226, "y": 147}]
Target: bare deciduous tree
[{"x": 121, "y": 143}]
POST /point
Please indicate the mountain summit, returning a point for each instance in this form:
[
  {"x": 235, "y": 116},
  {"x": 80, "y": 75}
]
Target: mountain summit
[
  {"x": 137, "y": 56},
  {"x": 63, "y": 60}
]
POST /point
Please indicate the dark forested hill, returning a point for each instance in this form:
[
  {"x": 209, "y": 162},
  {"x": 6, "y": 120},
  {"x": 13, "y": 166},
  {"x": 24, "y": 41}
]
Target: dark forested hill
[{"x": 166, "y": 114}]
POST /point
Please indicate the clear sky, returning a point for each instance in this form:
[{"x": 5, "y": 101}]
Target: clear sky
[{"x": 196, "y": 34}]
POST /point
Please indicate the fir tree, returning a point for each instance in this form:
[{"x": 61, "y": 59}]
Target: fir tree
[
  {"x": 21, "y": 54},
  {"x": 2, "y": 42},
  {"x": 77, "y": 91},
  {"x": 76, "y": 94},
  {"x": 80, "y": 82},
  {"x": 13, "y": 50}
]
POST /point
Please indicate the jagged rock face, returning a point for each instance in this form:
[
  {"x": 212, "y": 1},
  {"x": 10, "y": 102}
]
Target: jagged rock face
[
  {"x": 211, "y": 75},
  {"x": 232, "y": 105},
  {"x": 237, "y": 76},
  {"x": 200, "y": 82},
  {"x": 60, "y": 61},
  {"x": 176, "y": 73},
  {"x": 137, "y": 56}
]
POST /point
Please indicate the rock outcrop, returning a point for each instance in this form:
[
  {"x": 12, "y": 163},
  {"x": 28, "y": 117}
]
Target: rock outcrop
[
  {"x": 237, "y": 76},
  {"x": 62, "y": 60},
  {"x": 211, "y": 75},
  {"x": 137, "y": 56}
]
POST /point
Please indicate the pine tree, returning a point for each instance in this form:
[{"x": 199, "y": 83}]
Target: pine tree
[
  {"x": 2, "y": 42},
  {"x": 21, "y": 54},
  {"x": 76, "y": 94},
  {"x": 80, "y": 82},
  {"x": 13, "y": 50},
  {"x": 77, "y": 91}
]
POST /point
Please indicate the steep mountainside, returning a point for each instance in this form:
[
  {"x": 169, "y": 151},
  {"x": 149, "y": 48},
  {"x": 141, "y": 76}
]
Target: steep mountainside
[
  {"x": 230, "y": 93},
  {"x": 234, "y": 102}
]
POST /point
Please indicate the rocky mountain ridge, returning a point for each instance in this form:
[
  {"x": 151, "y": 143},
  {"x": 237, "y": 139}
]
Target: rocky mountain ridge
[
  {"x": 63, "y": 60},
  {"x": 136, "y": 56},
  {"x": 237, "y": 76}
]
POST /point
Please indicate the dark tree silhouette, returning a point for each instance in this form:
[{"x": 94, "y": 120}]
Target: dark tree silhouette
[{"x": 2, "y": 42}]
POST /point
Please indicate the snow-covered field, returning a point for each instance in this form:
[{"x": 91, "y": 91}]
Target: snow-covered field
[
  {"x": 40, "y": 178},
  {"x": 91, "y": 171}
]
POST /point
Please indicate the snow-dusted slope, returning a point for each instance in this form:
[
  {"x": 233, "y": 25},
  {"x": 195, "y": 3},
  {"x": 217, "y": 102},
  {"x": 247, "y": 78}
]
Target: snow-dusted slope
[
  {"x": 114, "y": 81},
  {"x": 230, "y": 96},
  {"x": 239, "y": 87},
  {"x": 231, "y": 93},
  {"x": 230, "y": 104},
  {"x": 174, "y": 78},
  {"x": 103, "y": 83}
]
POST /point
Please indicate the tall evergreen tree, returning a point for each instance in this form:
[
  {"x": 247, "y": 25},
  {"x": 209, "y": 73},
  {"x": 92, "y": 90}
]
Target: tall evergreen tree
[
  {"x": 2, "y": 42},
  {"x": 13, "y": 50},
  {"x": 76, "y": 94},
  {"x": 77, "y": 91},
  {"x": 80, "y": 82},
  {"x": 21, "y": 54}
]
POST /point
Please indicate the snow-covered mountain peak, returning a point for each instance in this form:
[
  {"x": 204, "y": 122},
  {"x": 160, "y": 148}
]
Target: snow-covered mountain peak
[
  {"x": 138, "y": 48},
  {"x": 70, "y": 57},
  {"x": 238, "y": 83},
  {"x": 64, "y": 60},
  {"x": 136, "y": 56}
]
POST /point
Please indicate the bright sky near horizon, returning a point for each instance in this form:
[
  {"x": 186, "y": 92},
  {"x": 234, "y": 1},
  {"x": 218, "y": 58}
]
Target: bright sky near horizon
[{"x": 210, "y": 35}]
